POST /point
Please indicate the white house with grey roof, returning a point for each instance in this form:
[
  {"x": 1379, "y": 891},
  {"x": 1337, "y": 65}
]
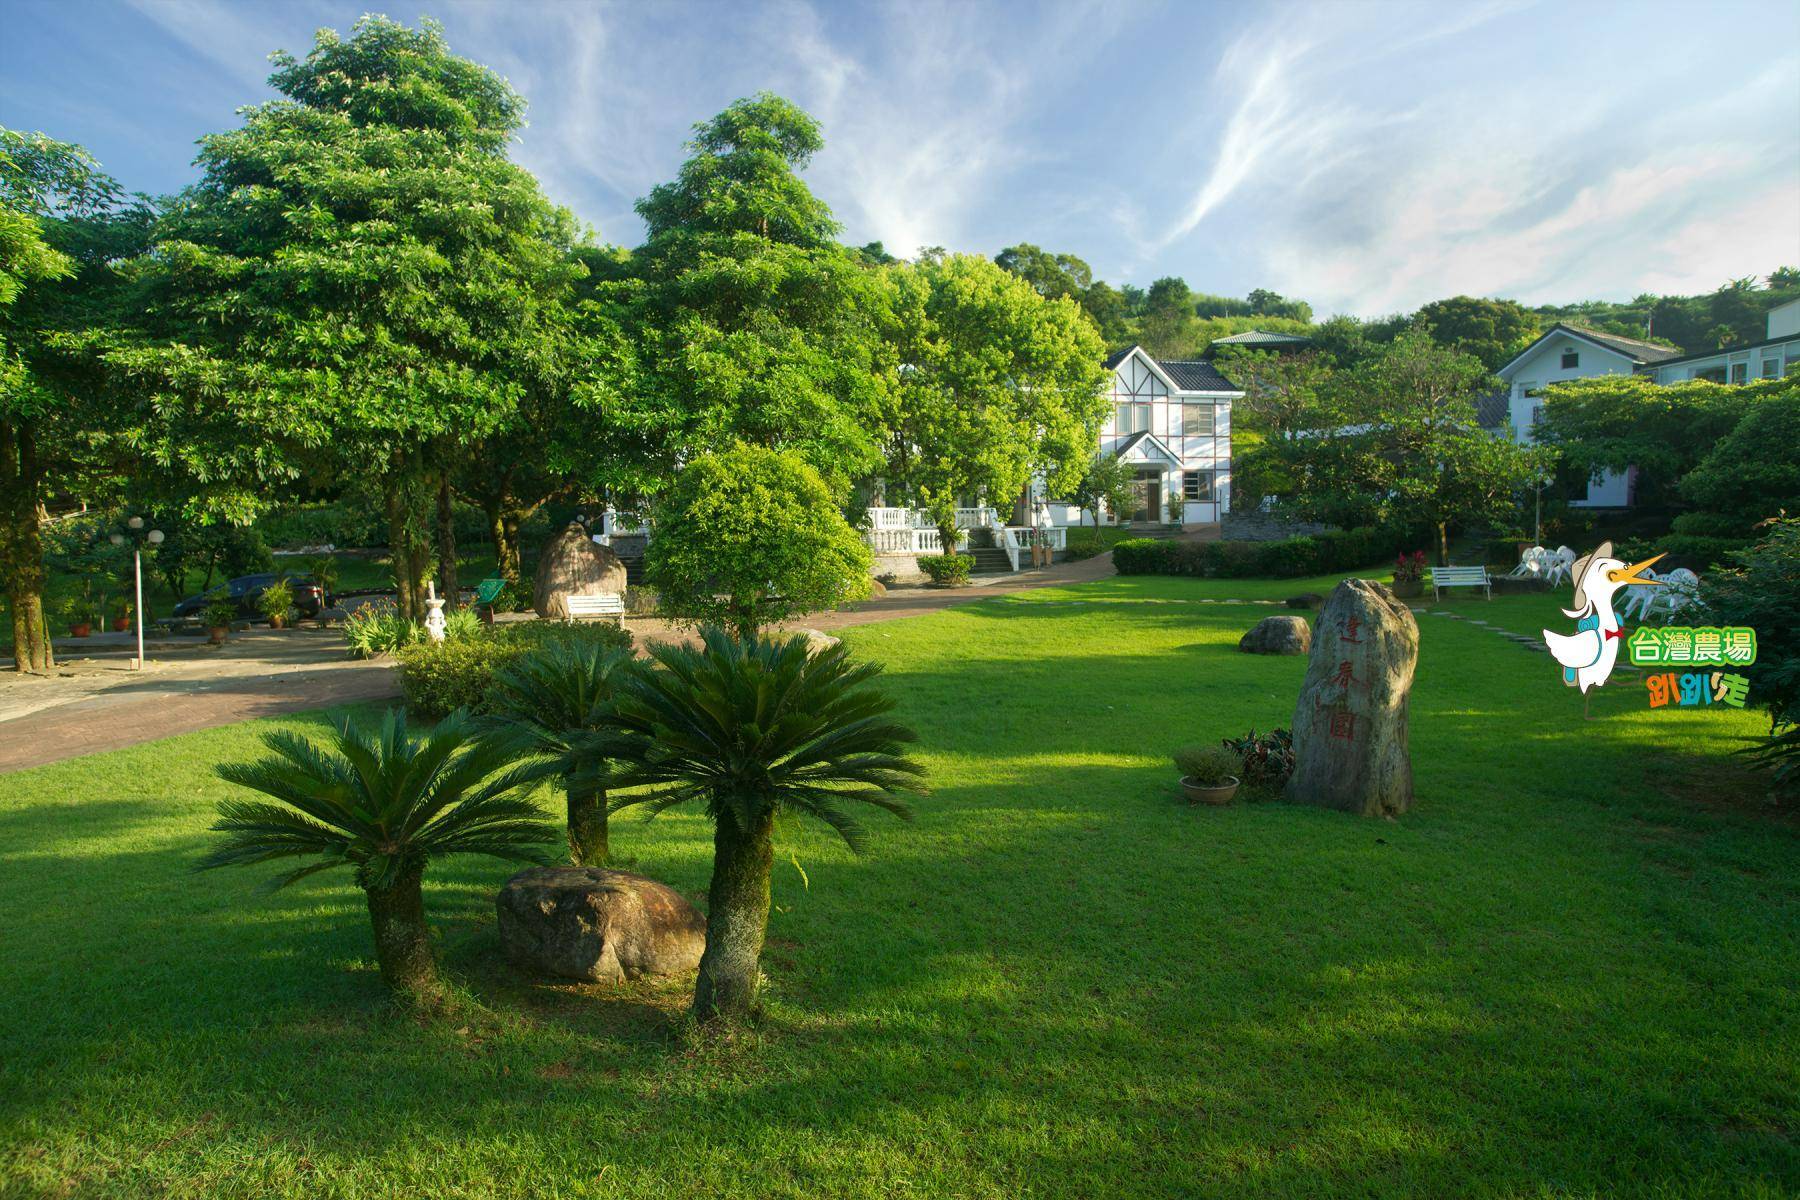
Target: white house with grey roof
[
  {"x": 1171, "y": 423},
  {"x": 1565, "y": 352}
]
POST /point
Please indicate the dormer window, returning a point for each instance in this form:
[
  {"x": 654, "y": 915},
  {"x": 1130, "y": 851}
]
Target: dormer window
[{"x": 1571, "y": 359}]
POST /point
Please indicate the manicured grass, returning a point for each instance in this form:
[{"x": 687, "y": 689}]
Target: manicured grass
[{"x": 1569, "y": 971}]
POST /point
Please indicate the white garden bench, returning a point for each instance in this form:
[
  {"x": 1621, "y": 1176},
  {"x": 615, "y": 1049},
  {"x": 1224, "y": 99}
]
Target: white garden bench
[
  {"x": 1443, "y": 577},
  {"x": 607, "y": 604}
]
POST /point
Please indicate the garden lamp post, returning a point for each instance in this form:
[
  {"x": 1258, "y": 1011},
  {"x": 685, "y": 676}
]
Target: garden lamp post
[{"x": 139, "y": 536}]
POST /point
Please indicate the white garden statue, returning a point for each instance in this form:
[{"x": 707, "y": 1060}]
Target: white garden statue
[{"x": 434, "y": 620}]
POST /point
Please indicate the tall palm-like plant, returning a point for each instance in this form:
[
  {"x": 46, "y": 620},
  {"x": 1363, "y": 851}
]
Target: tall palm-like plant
[
  {"x": 385, "y": 802},
  {"x": 752, "y": 727},
  {"x": 555, "y": 697}
]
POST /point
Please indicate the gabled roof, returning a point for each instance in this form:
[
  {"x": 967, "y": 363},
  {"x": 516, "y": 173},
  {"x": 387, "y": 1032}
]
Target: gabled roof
[
  {"x": 1258, "y": 337},
  {"x": 1639, "y": 353},
  {"x": 1182, "y": 374},
  {"x": 1193, "y": 375},
  {"x": 1151, "y": 445},
  {"x": 1725, "y": 351}
]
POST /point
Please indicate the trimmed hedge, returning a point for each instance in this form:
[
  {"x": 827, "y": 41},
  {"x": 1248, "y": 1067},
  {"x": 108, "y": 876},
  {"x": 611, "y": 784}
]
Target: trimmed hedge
[
  {"x": 947, "y": 570},
  {"x": 438, "y": 677},
  {"x": 1291, "y": 558}
]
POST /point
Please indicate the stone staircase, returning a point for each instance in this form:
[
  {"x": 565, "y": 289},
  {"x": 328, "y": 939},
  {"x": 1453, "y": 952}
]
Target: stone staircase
[{"x": 990, "y": 560}]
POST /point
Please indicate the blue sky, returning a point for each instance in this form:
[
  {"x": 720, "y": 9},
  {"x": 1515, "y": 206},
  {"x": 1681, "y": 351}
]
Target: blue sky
[{"x": 1365, "y": 156}]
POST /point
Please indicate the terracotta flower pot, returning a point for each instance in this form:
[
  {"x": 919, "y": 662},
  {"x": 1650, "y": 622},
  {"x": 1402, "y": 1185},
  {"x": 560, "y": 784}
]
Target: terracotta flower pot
[
  {"x": 1410, "y": 589},
  {"x": 216, "y": 634},
  {"x": 121, "y": 624},
  {"x": 277, "y": 622},
  {"x": 1197, "y": 793},
  {"x": 80, "y": 628}
]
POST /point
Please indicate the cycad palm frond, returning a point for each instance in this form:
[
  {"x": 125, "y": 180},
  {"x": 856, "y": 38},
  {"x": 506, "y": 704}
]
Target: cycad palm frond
[
  {"x": 383, "y": 800},
  {"x": 757, "y": 726}
]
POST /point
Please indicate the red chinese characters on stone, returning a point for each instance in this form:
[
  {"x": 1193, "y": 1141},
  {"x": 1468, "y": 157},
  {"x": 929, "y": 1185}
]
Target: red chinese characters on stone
[{"x": 1343, "y": 725}]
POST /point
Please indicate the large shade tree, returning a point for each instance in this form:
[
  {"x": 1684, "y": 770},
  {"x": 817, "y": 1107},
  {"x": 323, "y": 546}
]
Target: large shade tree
[
  {"x": 363, "y": 277},
  {"x": 754, "y": 324},
  {"x": 999, "y": 384},
  {"x": 1397, "y": 442},
  {"x": 63, "y": 223}
]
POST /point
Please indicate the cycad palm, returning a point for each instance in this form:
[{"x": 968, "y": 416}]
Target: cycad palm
[
  {"x": 554, "y": 696},
  {"x": 753, "y": 727},
  {"x": 385, "y": 802}
]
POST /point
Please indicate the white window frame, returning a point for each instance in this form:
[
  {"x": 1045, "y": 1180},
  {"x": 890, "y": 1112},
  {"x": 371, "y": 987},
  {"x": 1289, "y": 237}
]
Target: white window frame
[
  {"x": 1211, "y": 412},
  {"x": 1199, "y": 487}
]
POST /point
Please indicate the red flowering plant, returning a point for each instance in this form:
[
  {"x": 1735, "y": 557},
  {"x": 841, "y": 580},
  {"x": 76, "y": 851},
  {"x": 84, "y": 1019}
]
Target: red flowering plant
[{"x": 1409, "y": 568}]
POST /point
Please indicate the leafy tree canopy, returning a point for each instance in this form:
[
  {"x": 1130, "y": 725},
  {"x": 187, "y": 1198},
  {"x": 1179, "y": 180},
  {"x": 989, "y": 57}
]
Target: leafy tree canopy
[
  {"x": 1612, "y": 422},
  {"x": 1493, "y": 331},
  {"x": 751, "y": 536}
]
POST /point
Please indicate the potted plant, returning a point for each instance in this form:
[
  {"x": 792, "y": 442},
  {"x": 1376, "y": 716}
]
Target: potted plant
[
  {"x": 218, "y": 617},
  {"x": 1177, "y": 508},
  {"x": 1208, "y": 774},
  {"x": 81, "y": 619},
  {"x": 276, "y": 603},
  {"x": 1409, "y": 574},
  {"x": 122, "y": 622}
]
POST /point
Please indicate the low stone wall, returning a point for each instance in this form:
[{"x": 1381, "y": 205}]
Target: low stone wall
[
  {"x": 1253, "y": 526},
  {"x": 897, "y": 568}
]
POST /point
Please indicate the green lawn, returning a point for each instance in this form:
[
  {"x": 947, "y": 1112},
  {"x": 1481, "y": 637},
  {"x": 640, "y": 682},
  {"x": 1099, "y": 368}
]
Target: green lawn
[{"x": 1569, "y": 971}]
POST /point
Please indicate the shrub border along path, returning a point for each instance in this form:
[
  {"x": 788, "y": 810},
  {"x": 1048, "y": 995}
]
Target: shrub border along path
[{"x": 144, "y": 708}]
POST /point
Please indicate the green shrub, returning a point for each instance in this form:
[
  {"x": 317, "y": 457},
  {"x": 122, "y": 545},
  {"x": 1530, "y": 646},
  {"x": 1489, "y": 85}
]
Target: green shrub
[
  {"x": 1207, "y": 766},
  {"x": 463, "y": 623},
  {"x": 378, "y": 629},
  {"x": 1264, "y": 760},
  {"x": 439, "y": 677},
  {"x": 1291, "y": 558},
  {"x": 1762, "y": 590},
  {"x": 219, "y": 614},
  {"x": 1082, "y": 544},
  {"x": 947, "y": 569}
]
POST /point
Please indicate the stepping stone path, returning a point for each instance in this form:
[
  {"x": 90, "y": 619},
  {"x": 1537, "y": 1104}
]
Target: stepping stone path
[{"x": 1520, "y": 639}]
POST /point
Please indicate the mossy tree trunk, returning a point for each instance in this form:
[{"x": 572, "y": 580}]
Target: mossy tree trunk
[
  {"x": 21, "y": 547},
  {"x": 402, "y": 940},
  {"x": 737, "y": 918},
  {"x": 448, "y": 586},
  {"x": 587, "y": 827}
]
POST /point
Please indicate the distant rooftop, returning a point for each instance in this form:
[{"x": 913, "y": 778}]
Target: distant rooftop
[
  {"x": 1257, "y": 337},
  {"x": 1188, "y": 375},
  {"x": 1635, "y": 348}
]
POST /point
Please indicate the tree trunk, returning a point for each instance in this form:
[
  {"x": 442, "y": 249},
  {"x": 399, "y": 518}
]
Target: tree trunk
[
  {"x": 21, "y": 548},
  {"x": 587, "y": 827},
  {"x": 446, "y": 547},
  {"x": 506, "y": 544},
  {"x": 737, "y": 917},
  {"x": 1443, "y": 546},
  {"x": 399, "y": 550},
  {"x": 402, "y": 941},
  {"x": 947, "y": 538}
]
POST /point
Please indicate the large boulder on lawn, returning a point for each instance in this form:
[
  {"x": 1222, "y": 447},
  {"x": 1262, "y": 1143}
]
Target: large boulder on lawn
[
  {"x": 574, "y": 564},
  {"x": 1278, "y": 635},
  {"x": 1350, "y": 749},
  {"x": 599, "y": 925}
]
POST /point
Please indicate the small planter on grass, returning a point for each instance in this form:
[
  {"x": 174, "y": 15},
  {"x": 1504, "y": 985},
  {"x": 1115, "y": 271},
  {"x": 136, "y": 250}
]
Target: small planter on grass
[
  {"x": 1208, "y": 774},
  {"x": 1409, "y": 575}
]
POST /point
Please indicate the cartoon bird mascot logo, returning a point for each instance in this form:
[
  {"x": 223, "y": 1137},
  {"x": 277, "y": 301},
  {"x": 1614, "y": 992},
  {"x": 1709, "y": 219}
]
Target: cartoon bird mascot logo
[{"x": 1587, "y": 656}]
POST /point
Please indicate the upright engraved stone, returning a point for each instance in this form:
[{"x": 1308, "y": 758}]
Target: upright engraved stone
[
  {"x": 1350, "y": 724},
  {"x": 573, "y": 564}
]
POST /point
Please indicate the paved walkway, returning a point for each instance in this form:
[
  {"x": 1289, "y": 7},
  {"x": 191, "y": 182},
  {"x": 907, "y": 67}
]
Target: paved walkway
[{"x": 98, "y": 703}]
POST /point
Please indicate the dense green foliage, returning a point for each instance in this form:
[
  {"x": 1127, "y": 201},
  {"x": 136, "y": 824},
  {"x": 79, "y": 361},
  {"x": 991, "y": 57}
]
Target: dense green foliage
[
  {"x": 1059, "y": 980},
  {"x": 1290, "y": 558},
  {"x": 749, "y": 537},
  {"x": 752, "y": 729},
  {"x": 1001, "y": 384},
  {"x": 1761, "y": 590},
  {"x": 947, "y": 570},
  {"x": 439, "y": 677}
]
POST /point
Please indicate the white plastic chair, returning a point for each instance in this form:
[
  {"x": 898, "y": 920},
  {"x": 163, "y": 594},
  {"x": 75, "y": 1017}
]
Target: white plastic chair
[
  {"x": 1641, "y": 598},
  {"x": 1682, "y": 587},
  {"x": 1532, "y": 564},
  {"x": 1559, "y": 564}
]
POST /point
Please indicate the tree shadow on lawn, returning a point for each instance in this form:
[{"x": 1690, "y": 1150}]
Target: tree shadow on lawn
[{"x": 1281, "y": 994}]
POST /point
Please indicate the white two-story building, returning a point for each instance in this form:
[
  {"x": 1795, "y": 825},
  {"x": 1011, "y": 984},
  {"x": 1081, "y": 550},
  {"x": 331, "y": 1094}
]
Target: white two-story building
[
  {"x": 1171, "y": 424},
  {"x": 1567, "y": 352}
]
